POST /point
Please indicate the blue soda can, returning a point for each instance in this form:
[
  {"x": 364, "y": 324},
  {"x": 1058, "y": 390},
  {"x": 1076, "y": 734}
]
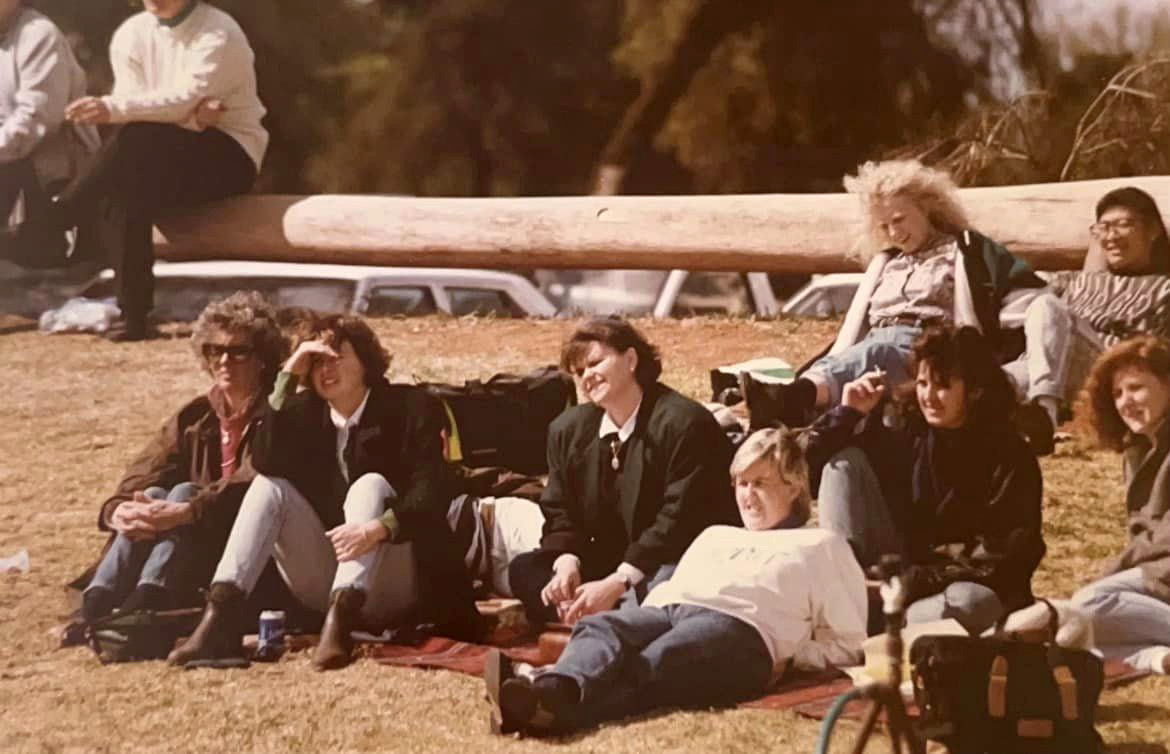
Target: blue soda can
[{"x": 270, "y": 643}]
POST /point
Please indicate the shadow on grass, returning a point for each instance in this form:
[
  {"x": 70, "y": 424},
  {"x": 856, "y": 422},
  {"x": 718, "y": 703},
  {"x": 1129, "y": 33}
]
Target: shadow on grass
[
  {"x": 1136, "y": 748},
  {"x": 1112, "y": 713}
]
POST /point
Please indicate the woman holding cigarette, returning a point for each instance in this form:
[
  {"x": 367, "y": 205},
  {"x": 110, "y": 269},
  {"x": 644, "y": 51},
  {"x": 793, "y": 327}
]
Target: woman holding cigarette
[{"x": 949, "y": 484}]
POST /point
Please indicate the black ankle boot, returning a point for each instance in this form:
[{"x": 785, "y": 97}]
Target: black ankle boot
[
  {"x": 96, "y": 603},
  {"x": 335, "y": 647},
  {"x": 146, "y": 597},
  {"x": 220, "y": 630}
]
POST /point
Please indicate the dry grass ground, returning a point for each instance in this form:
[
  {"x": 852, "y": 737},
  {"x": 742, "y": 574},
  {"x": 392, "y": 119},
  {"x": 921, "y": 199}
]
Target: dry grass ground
[{"x": 78, "y": 407}]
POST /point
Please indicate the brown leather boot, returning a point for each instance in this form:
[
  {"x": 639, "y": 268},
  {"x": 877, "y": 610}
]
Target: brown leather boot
[
  {"x": 218, "y": 634},
  {"x": 335, "y": 648}
]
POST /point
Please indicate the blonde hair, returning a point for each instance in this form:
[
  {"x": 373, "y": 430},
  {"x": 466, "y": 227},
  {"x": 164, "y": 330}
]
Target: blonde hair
[
  {"x": 784, "y": 449},
  {"x": 932, "y": 190}
]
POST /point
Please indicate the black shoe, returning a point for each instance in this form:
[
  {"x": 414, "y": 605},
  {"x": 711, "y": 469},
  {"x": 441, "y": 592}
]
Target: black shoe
[
  {"x": 146, "y": 597},
  {"x": 96, "y": 603},
  {"x": 1034, "y": 423},
  {"x": 130, "y": 331},
  {"x": 770, "y": 404},
  {"x": 497, "y": 671}
]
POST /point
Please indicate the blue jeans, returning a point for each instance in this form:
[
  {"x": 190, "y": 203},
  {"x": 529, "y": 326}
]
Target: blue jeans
[
  {"x": 635, "y": 659},
  {"x": 128, "y": 563},
  {"x": 886, "y": 348},
  {"x": 1128, "y": 622},
  {"x": 850, "y": 503}
]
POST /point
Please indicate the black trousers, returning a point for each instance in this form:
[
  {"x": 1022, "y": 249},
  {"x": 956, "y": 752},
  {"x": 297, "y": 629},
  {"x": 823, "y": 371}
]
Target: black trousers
[
  {"x": 34, "y": 237},
  {"x": 144, "y": 170},
  {"x": 530, "y": 572}
]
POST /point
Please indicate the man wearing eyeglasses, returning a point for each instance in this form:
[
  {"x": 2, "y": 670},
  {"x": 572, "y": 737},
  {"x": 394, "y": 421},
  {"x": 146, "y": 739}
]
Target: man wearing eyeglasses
[
  {"x": 172, "y": 511},
  {"x": 1123, "y": 291}
]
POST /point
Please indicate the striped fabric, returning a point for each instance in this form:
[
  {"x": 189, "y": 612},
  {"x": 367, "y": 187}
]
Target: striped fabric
[{"x": 1117, "y": 306}]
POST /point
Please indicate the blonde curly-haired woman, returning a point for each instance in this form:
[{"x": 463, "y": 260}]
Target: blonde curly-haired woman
[{"x": 925, "y": 266}]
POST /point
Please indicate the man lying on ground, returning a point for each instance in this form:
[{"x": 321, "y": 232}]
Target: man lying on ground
[
  {"x": 1091, "y": 310},
  {"x": 347, "y": 467},
  {"x": 634, "y": 475},
  {"x": 743, "y": 604},
  {"x": 172, "y": 511}
]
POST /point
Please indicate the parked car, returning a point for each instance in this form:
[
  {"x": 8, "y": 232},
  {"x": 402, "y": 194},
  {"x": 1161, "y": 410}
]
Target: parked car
[
  {"x": 183, "y": 289},
  {"x": 824, "y": 296},
  {"x": 678, "y": 293}
]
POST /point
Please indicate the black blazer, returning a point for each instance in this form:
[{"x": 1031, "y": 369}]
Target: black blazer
[
  {"x": 674, "y": 484},
  {"x": 398, "y": 437}
]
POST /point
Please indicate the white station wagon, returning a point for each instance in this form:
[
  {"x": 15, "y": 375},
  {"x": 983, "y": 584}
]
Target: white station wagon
[{"x": 183, "y": 289}]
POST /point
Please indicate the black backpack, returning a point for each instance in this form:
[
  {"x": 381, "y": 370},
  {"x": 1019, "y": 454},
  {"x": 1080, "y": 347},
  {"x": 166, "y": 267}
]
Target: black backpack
[{"x": 504, "y": 421}]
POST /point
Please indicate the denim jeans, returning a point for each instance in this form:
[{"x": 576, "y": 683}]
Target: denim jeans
[
  {"x": 636, "y": 659},
  {"x": 886, "y": 348},
  {"x": 127, "y": 563},
  {"x": 275, "y": 520},
  {"x": 1059, "y": 350},
  {"x": 1128, "y": 622},
  {"x": 850, "y": 503}
]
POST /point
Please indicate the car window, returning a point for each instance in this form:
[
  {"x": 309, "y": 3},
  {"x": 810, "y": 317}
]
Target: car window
[
  {"x": 392, "y": 300},
  {"x": 713, "y": 293},
  {"x": 182, "y": 298},
  {"x": 482, "y": 301}
]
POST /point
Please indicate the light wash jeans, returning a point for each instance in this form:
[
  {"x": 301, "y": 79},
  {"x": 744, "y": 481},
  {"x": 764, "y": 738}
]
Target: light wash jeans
[
  {"x": 1128, "y": 622},
  {"x": 128, "y": 564},
  {"x": 638, "y": 658},
  {"x": 850, "y": 502},
  {"x": 275, "y": 520},
  {"x": 886, "y": 348},
  {"x": 1059, "y": 350}
]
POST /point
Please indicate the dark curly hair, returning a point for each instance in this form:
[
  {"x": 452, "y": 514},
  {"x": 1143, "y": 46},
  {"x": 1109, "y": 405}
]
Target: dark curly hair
[
  {"x": 964, "y": 353},
  {"x": 620, "y": 335},
  {"x": 249, "y": 314},
  {"x": 1096, "y": 410},
  {"x": 335, "y": 329}
]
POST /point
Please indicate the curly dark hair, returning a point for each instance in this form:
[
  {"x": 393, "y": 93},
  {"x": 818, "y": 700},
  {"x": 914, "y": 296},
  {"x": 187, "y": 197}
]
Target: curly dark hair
[
  {"x": 964, "y": 353},
  {"x": 335, "y": 329},
  {"x": 1096, "y": 410},
  {"x": 620, "y": 335},
  {"x": 1146, "y": 208},
  {"x": 249, "y": 314}
]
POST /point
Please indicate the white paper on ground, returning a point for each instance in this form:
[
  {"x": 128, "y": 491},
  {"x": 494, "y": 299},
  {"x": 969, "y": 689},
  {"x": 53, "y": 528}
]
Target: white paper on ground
[
  {"x": 17, "y": 563},
  {"x": 764, "y": 369}
]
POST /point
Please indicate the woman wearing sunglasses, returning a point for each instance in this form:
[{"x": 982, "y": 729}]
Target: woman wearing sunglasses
[{"x": 174, "y": 507}]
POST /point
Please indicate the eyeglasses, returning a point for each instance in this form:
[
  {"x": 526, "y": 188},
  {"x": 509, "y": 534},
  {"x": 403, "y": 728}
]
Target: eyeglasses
[
  {"x": 1120, "y": 227},
  {"x": 234, "y": 352}
]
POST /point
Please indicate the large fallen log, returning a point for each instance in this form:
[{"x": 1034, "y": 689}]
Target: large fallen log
[{"x": 1046, "y": 224}]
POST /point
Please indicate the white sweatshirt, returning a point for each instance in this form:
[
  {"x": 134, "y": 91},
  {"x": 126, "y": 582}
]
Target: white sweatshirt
[
  {"x": 802, "y": 589},
  {"x": 162, "y": 73}
]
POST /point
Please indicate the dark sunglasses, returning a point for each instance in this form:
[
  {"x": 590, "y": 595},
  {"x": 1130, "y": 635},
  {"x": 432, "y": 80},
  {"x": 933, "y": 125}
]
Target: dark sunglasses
[{"x": 215, "y": 351}]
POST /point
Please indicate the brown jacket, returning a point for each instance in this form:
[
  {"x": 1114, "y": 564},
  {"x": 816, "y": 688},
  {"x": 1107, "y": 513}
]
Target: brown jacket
[
  {"x": 186, "y": 449},
  {"x": 1147, "y": 498}
]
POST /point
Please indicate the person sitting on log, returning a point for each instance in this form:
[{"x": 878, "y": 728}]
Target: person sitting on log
[
  {"x": 173, "y": 509},
  {"x": 946, "y": 482},
  {"x": 39, "y": 150},
  {"x": 925, "y": 267},
  {"x": 185, "y": 90},
  {"x": 1124, "y": 291},
  {"x": 1126, "y": 404},
  {"x": 634, "y": 475},
  {"x": 743, "y": 605},
  {"x": 345, "y": 469}
]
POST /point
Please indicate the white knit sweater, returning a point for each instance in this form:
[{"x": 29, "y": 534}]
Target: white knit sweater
[
  {"x": 162, "y": 73},
  {"x": 802, "y": 589}
]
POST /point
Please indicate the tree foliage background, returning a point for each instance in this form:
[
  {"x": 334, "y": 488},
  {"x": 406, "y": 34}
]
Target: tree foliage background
[{"x": 519, "y": 97}]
